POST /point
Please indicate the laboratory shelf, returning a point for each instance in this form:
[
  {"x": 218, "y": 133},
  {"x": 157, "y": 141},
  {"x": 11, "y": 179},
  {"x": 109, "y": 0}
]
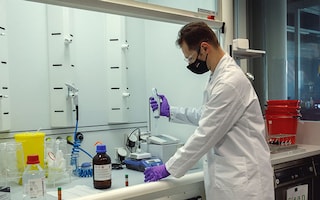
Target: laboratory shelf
[
  {"x": 137, "y": 9},
  {"x": 247, "y": 53}
]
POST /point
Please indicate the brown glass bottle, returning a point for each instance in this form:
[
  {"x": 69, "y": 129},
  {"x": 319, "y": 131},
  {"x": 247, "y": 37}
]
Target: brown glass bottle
[{"x": 101, "y": 168}]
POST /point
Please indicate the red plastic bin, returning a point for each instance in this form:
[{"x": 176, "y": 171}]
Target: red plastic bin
[
  {"x": 282, "y": 124},
  {"x": 282, "y": 120},
  {"x": 282, "y": 127}
]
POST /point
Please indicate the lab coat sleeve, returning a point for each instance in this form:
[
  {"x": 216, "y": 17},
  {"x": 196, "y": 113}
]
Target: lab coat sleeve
[
  {"x": 220, "y": 113},
  {"x": 185, "y": 115}
]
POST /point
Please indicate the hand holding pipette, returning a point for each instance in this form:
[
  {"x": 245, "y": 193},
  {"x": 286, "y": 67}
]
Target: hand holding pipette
[{"x": 159, "y": 104}]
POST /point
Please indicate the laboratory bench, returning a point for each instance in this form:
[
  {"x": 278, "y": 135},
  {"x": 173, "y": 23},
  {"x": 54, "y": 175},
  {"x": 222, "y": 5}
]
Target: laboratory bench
[
  {"x": 302, "y": 151},
  {"x": 189, "y": 186}
]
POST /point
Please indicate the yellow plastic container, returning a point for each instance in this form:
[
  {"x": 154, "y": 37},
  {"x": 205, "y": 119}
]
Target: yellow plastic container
[{"x": 32, "y": 143}]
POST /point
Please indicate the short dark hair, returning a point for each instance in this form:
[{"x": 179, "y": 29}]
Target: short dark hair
[{"x": 196, "y": 32}]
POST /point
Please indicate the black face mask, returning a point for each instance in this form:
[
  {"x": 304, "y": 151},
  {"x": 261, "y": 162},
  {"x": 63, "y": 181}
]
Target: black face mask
[{"x": 199, "y": 66}]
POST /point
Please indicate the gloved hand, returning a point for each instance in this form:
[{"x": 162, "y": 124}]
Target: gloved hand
[
  {"x": 164, "y": 105},
  {"x": 155, "y": 173}
]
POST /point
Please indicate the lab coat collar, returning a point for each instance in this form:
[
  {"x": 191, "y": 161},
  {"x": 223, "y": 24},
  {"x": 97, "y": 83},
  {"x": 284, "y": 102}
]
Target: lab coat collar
[{"x": 214, "y": 73}]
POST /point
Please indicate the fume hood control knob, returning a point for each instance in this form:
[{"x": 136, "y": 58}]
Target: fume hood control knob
[
  {"x": 125, "y": 46},
  {"x": 126, "y": 94},
  {"x": 68, "y": 39},
  {"x": 311, "y": 169},
  {"x": 79, "y": 136}
]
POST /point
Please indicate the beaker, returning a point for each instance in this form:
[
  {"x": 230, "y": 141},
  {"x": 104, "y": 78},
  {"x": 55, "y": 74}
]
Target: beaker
[
  {"x": 12, "y": 162},
  {"x": 57, "y": 161}
]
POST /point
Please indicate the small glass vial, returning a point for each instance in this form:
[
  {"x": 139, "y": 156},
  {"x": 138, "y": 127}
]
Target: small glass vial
[
  {"x": 126, "y": 180},
  {"x": 101, "y": 168},
  {"x": 33, "y": 179}
]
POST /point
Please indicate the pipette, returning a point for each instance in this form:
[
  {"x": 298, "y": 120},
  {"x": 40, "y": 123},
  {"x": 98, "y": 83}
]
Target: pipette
[{"x": 156, "y": 113}]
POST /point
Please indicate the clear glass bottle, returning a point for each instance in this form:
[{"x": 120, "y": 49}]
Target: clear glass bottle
[
  {"x": 33, "y": 179},
  {"x": 101, "y": 168}
]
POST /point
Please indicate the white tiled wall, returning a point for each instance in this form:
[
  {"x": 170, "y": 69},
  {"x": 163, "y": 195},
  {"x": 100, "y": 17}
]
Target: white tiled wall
[{"x": 308, "y": 132}]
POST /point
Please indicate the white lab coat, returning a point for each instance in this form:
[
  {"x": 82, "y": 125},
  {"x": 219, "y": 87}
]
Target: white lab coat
[{"x": 230, "y": 134}]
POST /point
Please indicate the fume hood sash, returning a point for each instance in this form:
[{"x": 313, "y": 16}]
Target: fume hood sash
[{"x": 137, "y": 9}]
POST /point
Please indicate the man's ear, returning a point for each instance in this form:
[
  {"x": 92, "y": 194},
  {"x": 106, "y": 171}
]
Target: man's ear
[{"x": 204, "y": 46}]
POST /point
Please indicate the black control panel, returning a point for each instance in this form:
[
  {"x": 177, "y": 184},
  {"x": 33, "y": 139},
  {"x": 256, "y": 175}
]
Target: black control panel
[
  {"x": 293, "y": 173},
  {"x": 317, "y": 179}
]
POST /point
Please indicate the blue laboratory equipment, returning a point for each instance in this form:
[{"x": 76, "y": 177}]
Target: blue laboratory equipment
[{"x": 142, "y": 164}]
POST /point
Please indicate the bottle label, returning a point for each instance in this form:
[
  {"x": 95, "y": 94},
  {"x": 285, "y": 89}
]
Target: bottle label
[
  {"x": 35, "y": 188},
  {"x": 102, "y": 172}
]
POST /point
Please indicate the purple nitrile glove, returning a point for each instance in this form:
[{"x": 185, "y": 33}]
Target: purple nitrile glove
[
  {"x": 164, "y": 105},
  {"x": 155, "y": 173}
]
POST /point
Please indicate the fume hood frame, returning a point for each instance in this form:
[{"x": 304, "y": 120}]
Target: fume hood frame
[
  {"x": 5, "y": 108},
  {"x": 138, "y": 9}
]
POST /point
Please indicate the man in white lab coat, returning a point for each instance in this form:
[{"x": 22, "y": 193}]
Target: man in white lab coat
[{"x": 230, "y": 129}]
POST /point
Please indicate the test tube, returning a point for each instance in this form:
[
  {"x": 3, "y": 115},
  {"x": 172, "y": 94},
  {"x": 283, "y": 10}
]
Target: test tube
[{"x": 126, "y": 180}]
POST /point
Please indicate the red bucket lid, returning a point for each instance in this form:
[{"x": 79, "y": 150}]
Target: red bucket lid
[{"x": 284, "y": 102}]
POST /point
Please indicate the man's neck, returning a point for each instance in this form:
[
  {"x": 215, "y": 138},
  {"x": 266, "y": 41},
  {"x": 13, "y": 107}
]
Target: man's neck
[{"x": 218, "y": 54}]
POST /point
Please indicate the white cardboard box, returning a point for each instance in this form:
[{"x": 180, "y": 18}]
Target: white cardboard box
[{"x": 240, "y": 43}]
